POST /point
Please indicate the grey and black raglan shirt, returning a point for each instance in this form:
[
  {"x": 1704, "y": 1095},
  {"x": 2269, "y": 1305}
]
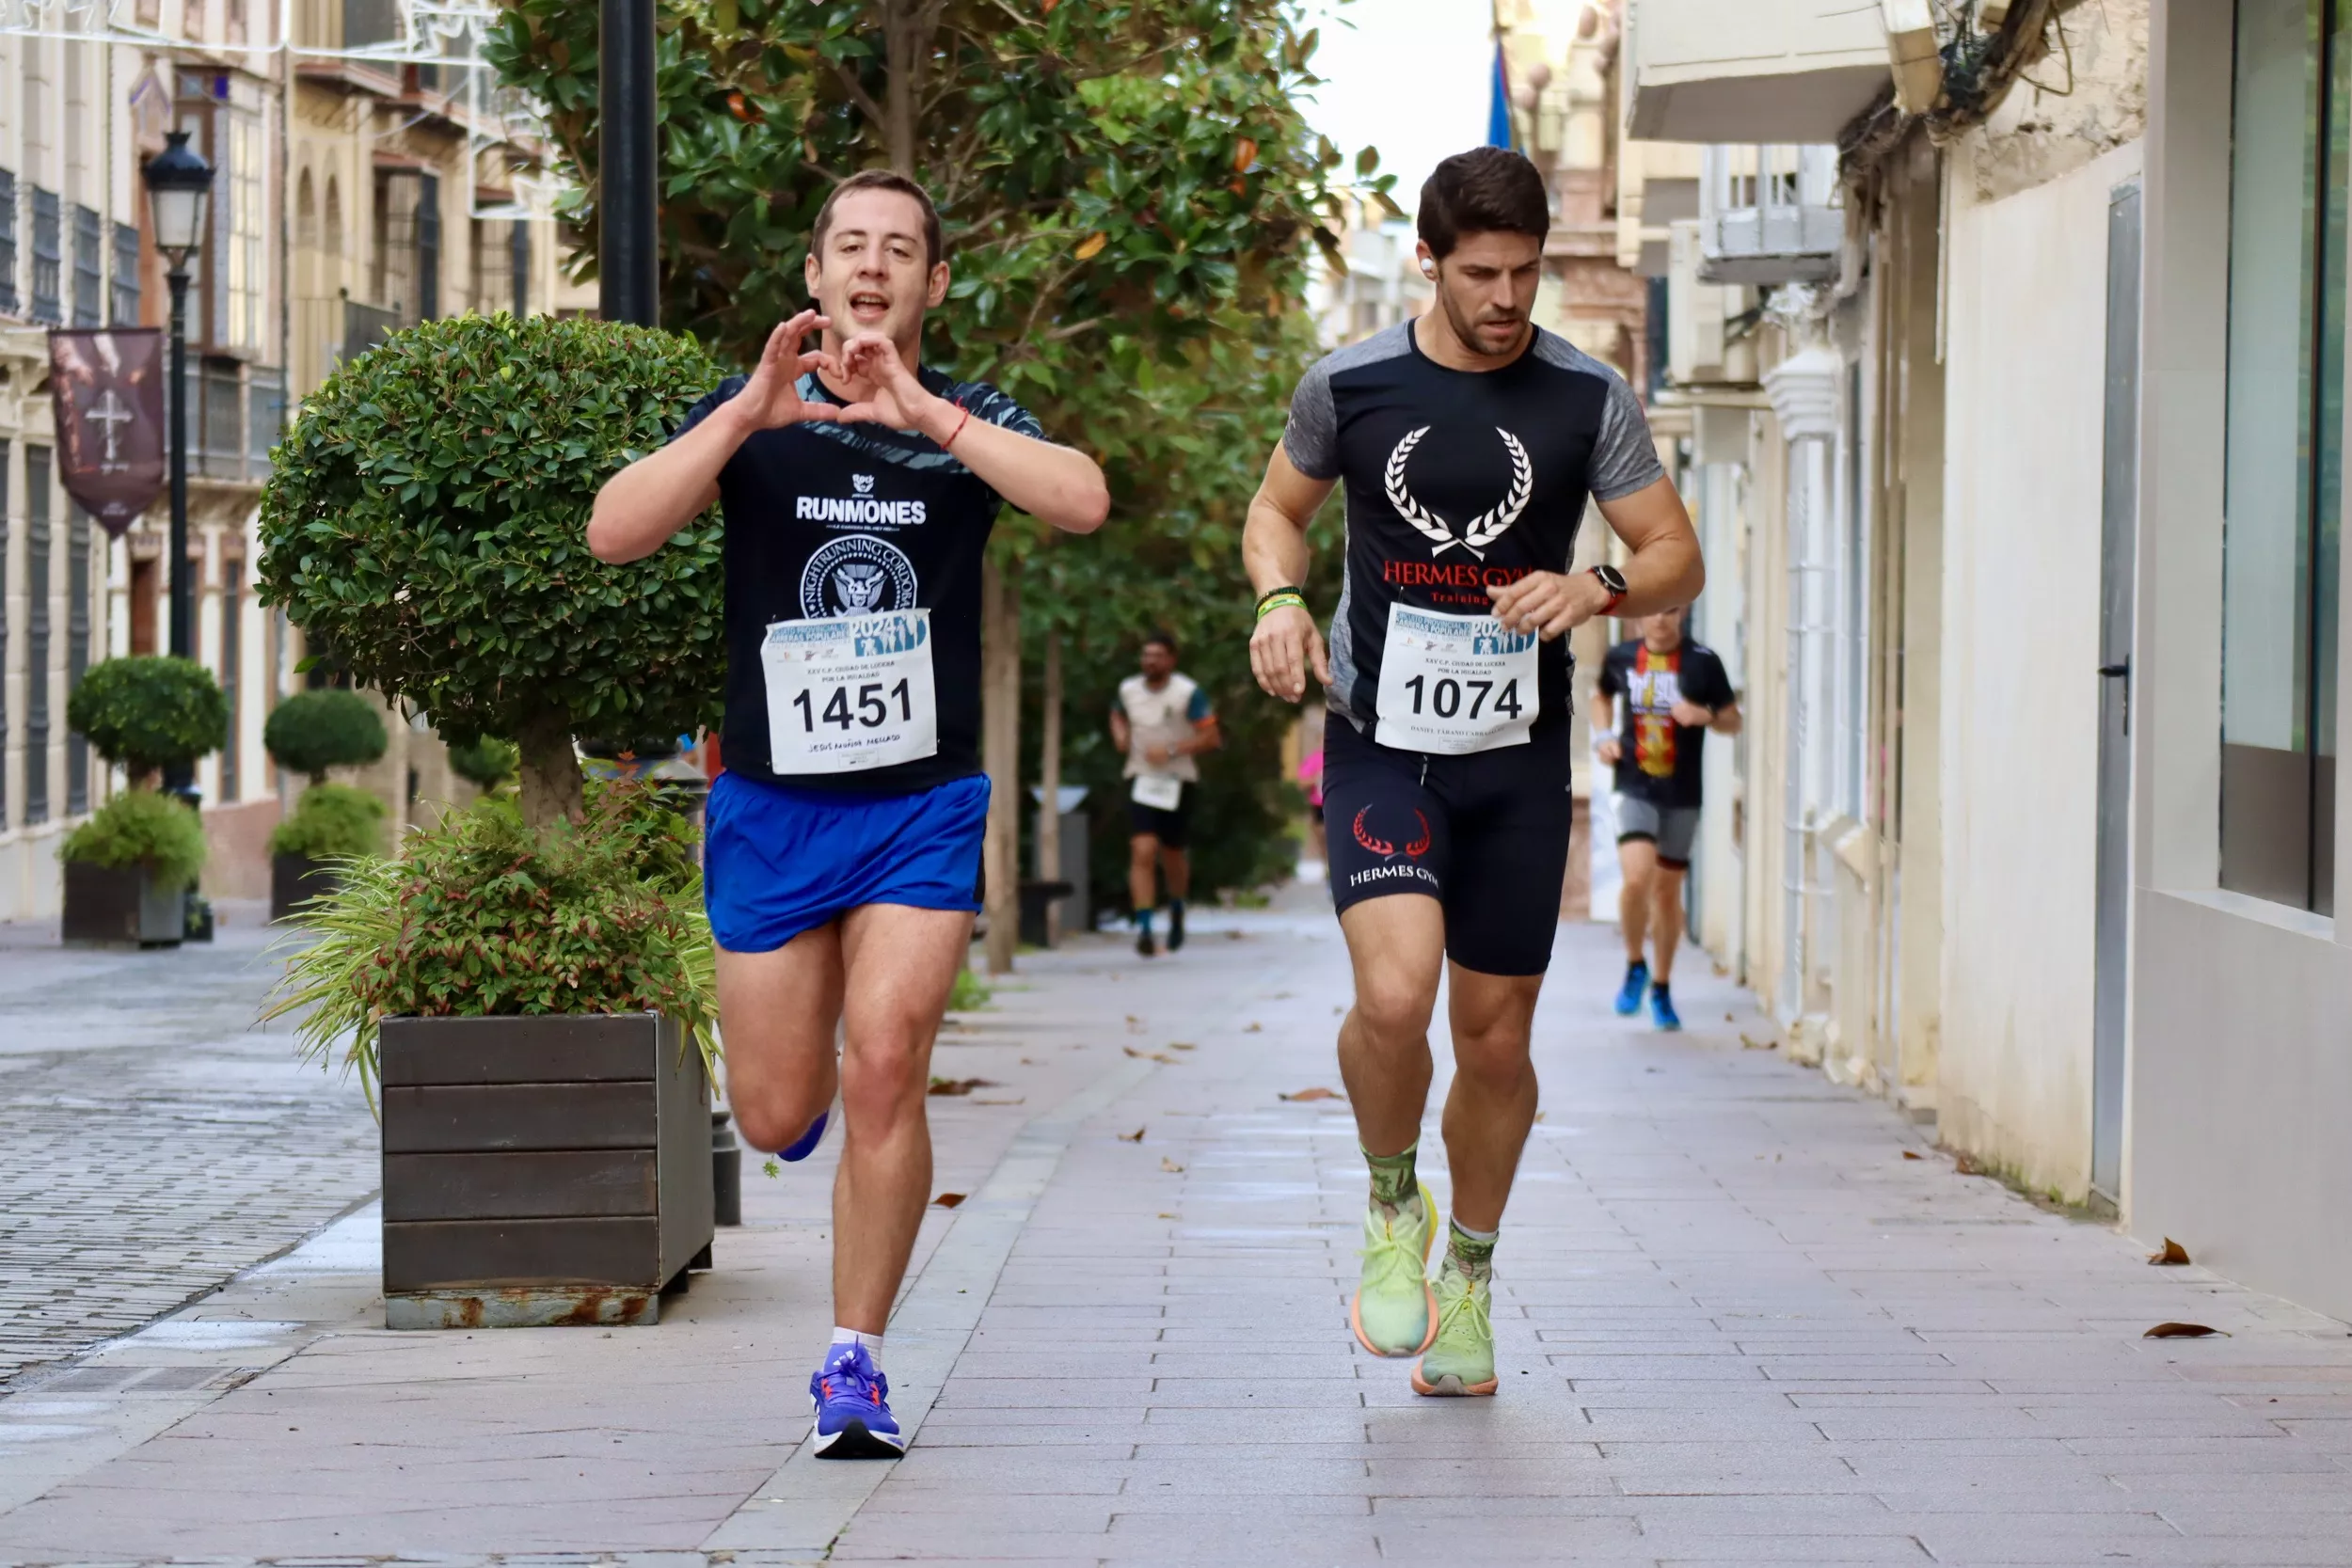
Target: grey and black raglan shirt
[{"x": 1459, "y": 481}]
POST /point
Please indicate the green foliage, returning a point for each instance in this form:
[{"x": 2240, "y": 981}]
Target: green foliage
[
  {"x": 968, "y": 993},
  {"x": 141, "y": 826},
  {"x": 483, "y": 762},
  {"x": 1132, "y": 201},
  {"x": 332, "y": 821},
  {"x": 425, "y": 524},
  {"x": 149, "y": 713},
  {"x": 481, "y": 916},
  {"x": 332, "y": 727}
]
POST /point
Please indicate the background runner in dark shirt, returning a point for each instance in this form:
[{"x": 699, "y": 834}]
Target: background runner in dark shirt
[{"x": 1660, "y": 757}]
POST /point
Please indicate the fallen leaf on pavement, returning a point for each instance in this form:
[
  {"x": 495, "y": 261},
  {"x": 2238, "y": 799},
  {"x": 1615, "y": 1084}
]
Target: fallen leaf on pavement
[
  {"x": 1168, "y": 1216},
  {"x": 2172, "y": 1252},
  {"x": 1757, "y": 1045},
  {"x": 1966, "y": 1165},
  {"x": 1913, "y": 1154},
  {"x": 1149, "y": 1056},
  {"x": 1255, "y": 1028},
  {"x": 960, "y": 1085},
  {"x": 1539, "y": 1115},
  {"x": 1316, "y": 1093},
  {"x": 1180, "y": 1045},
  {"x": 1170, "y": 1165},
  {"x": 947, "y": 1201},
  {"x": 1133, "y": 1137},
  {"x": 2181, "y": 1331},
  {"x": 1023, "y": 1100}
]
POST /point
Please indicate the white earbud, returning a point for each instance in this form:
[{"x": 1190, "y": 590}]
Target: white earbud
[{"x": 1429, "y": 269}]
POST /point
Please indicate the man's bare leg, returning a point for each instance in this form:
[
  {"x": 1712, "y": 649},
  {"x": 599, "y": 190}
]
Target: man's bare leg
[
  {"x": 1143, "y": 887},
  {"x": 1492, "y": 1103},
  {"x": 1665, "y": 921},
  {"x": 900, "y": 963},
  {"x": 780, "y": 1012},
  {"x": 1637, "y": 858},
  {"x": 1397, "y": 946}
]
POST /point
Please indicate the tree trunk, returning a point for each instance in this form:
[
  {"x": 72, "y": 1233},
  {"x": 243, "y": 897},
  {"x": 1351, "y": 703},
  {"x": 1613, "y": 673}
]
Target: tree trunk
[
  {"x": 909, "y": 29},
  {"x": 1049, "y": 782},
  {"x": 550, "y": 785},
  {"x": 1000, "y": 750}
]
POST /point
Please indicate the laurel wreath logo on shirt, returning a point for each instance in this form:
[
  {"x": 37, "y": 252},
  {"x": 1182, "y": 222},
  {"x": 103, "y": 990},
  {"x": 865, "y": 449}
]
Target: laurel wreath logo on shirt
[{"x": 1486, "y": 527}]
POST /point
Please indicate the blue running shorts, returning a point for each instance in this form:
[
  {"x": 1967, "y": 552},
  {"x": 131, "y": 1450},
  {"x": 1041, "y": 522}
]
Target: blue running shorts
[{"x": 779, "y": 861}]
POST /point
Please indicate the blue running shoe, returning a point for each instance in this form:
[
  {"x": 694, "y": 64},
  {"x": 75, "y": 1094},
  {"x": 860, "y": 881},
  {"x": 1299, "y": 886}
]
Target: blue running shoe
[
  {"x": 854, "y": 1418},
  {"x": 1636, "y": 982},
  {"x": 1661, "y": 1011},
  {"x": 805, "y": 1145}
]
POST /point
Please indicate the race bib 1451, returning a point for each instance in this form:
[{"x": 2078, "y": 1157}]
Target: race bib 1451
[{"x": 851, "y": 692}]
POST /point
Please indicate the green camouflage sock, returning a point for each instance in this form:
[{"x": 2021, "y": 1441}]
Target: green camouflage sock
[
  {"x": 1392, "y": 1177},
  {"x": 1473, "y": 1255}
]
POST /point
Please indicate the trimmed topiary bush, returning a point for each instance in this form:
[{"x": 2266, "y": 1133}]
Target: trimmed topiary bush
[
  {"x": 332, "y": 821},
  {"x": 149, "y": 713},
  {"x": 141, "y": 828},
  {"x": 313, "y": 730},
  {"x": 426, "y": 525},
  {"x": 485, "y": 761}
]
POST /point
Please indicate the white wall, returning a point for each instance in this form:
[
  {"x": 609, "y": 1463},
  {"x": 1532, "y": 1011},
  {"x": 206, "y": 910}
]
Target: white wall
[{"x": 2026, "y": 362}]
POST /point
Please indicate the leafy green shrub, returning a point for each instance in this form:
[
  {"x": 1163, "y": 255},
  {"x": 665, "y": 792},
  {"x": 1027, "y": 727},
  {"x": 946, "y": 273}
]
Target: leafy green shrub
[
  {"x": 313, "y": 730},
  {"x": 332, "y": 821},
  {"x": 141, "y": 826},
  {"x": 483, "y": 916},
  {"x": 485, "y": 761},
  {"x": 149, "y": 713},
  {"x": 426, "y": 525}
]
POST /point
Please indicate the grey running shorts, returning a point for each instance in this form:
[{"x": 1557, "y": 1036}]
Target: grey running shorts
[{"x": 1673, "y": 828}]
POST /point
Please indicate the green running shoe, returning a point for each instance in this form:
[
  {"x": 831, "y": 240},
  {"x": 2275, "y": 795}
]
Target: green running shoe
[
  {"x": 1462, "y": 1358},
  {"x": 1394, "y": 1312}
]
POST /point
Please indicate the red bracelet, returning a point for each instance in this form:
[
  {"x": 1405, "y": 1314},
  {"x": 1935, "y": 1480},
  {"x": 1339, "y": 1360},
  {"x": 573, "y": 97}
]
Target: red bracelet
[{"x": 949, "y": 444}]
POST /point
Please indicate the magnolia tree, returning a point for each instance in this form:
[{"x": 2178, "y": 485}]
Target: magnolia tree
[{"x": 427, "y": 526}]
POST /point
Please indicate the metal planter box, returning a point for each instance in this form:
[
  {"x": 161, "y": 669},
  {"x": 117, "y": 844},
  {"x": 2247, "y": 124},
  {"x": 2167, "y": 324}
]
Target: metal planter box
[
  {"x": 296, "y": 880},
  {"x": 106, "y": 906},
  {"x": 540, "y": 1171}
]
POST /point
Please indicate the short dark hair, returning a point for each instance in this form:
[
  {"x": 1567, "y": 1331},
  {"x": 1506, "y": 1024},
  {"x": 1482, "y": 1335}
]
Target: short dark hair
[
  {"x": 934, "y": 247},
  {"x": 1484, "y": 191},
  {"x": 1165, "y": 637}
]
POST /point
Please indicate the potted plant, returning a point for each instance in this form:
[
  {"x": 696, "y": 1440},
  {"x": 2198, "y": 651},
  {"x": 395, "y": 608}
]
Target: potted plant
[
  {"x": 485, "y": 763},
  {"x": 526, "y": 978},
  {"x": 129, "y": 870},
  {"x": 310, "y": 732}
]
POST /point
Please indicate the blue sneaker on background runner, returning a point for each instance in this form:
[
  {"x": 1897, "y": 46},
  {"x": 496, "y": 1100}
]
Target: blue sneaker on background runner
[
  {"x": 1661, "y": 1011},
  {"x": 854, "y": 1418},
  {"x": 1636, "y": 982},
  {"x": 805, "y": 1145}
]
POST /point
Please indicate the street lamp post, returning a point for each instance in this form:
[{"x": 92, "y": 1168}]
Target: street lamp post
[{"x": 178, "y": 191}]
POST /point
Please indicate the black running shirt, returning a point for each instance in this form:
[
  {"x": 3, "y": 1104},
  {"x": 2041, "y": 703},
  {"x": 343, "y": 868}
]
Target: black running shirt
[
  {"x": 1658, "y": 759},
  {"x": 1459, "y": 481},
  {"x": 828, "y": 520}
]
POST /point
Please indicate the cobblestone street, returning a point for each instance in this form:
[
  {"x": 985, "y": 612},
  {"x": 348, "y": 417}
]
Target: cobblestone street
[
  {"x": 1736, "y": 1323},
  {"x": 153, "y": 1142}
]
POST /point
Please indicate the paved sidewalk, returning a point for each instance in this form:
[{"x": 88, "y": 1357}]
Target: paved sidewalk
[
  {"x": 1737, "y": 1327},
  {"x": 153, "y": 1142}
]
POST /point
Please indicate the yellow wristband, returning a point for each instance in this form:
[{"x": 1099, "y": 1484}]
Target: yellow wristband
[{"x": 1279, "y": 601}]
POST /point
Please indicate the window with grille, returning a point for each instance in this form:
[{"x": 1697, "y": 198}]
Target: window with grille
[
  {"x": 220, "y": 417},
  {"x": 89, "y": 268},
  {"x": 518, "y": 248},
  {"x": 265, "y": 413},
  {"x": 247, "y": 271},
  {"x": 11, "y": 303},
  {"x": 35, "y": 634},
  {"x": 231, "y": 670},
  {"x": 125, "y": 306},
  {"x": 48, "y": 258},
  {"x": 77, "y": 586}
]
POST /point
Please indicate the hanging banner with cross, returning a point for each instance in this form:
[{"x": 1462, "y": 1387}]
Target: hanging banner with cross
[{"x": 108, "y": 392}]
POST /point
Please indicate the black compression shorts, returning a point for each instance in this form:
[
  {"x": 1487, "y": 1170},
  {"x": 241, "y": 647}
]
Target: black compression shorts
[{"x": 1485, "y": 834}]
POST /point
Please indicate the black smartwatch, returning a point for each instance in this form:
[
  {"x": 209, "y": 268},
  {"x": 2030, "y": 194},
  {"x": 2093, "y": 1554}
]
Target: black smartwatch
[{"x": 1613, "y": 580}]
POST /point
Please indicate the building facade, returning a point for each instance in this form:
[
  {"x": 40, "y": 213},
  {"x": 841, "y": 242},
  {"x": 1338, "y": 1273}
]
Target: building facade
[
  {"x": 2024, "y": 454},
  {"x": 368, "y": 175}
]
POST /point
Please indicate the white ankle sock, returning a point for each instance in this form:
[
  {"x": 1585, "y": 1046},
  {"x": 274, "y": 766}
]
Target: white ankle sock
[
  {"x": 1473, "y": 1235},
  {"x": 873, "y": 1342}
]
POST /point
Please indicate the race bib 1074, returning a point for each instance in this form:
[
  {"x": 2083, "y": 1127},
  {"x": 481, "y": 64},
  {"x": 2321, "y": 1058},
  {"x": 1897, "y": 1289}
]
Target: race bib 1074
[
  {"x": 1453, "y": 684},
  {"x": 847, "y": 693}
]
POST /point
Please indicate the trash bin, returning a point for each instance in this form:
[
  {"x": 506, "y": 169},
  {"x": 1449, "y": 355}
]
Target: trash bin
[
  {"x": 1072, "y": 899},
  {"x": 1034, "y": 897}
]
